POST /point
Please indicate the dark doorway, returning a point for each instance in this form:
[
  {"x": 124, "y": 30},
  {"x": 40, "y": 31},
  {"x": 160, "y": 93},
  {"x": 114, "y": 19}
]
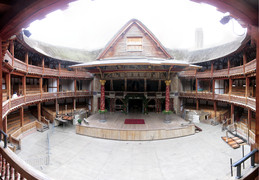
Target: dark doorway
[{"x": 135, "y": 105}]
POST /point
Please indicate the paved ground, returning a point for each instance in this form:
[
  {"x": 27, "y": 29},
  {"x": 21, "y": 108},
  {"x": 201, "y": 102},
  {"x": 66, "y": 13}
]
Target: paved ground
[{"x": 200, "y": 156}]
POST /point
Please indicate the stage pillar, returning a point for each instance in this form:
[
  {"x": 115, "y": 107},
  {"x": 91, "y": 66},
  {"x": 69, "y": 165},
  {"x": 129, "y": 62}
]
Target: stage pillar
[
  {"x": 167, "y": 95},
  {"x": 102, "y": 102}
]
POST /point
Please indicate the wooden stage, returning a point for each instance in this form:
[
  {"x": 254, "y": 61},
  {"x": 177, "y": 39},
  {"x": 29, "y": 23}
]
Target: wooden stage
[{"x": 153, "y": 129}]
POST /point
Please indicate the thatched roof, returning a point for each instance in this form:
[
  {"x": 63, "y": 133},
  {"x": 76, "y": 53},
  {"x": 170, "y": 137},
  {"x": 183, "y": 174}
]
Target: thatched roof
[{"x": 84, "y": 56}]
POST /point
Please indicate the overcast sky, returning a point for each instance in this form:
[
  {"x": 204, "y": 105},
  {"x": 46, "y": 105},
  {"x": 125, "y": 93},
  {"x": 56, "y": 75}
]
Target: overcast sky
[{"x": 90, "y": 24}]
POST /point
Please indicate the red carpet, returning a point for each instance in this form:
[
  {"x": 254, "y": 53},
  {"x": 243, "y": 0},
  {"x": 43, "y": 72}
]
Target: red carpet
[{"x": 134, "y": 121}]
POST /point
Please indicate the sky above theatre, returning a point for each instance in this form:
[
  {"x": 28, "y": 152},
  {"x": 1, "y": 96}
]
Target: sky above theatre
[{"x": 90, "y": 24}]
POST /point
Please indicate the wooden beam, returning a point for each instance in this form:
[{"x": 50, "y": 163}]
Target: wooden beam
[
  {"x": 22, "y": 116},
  {"x": 1, "y": 88},
  {"x": 232, "y": 113},
  {"x": 40, "y": 84},
  {"x": 215, "y": 108},
  {"x": 57, "y": 84},
  {"x": 8, "y": 85},
  {"x": 43, "y": 65},
  {"x": 197, "y": 104},
  {"x": 145, "y": 84},
  {"x": 228, "y": 66},
  {"x": 257, "y": 97},
  {"x": 230, "y": 88},
  {"x": 5, "y": 124},
  {"x": 24, "y": 85},
  {"x": 12, "y": 51},
  {"x": 39, "y": 111},
  {"x": 125, "y": 84},
  {"x": 249, "y": 118},
  {"x": 27, "y": 60}
]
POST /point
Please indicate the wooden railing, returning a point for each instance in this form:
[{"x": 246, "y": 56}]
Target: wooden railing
[
  {"x": 251, "y": 66},
  {"x": 239, "y": 70},
  {"x": 220, "y": 73},
  {"x": 241, "y": 100},
  {"x": 14, "y": 138},
  {"x": 14, "y": 103},
  {"x": 205, "y": 74},
  {"x": 12, "y": 167},
  {"x": 21, "y": 66},
  {"x": 236, "y": 71}
]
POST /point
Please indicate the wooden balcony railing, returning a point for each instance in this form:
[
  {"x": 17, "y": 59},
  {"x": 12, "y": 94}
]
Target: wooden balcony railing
[
  {"x": 34, "y": 69},
  {"x": 204, "y": 95},
  {"x": 205, "y": 74},
  {"x": 12, "y": 167},
  {"x": 21, "y": 66},
  {"x": 239, "y": 70},
  {"x": 220, "y": 73},
  {"x": 190, "y": 73},
  {"x": 251, "y": 66},
  {"x": 11, "y": 104},
  {"x": 241, "y": 100}
]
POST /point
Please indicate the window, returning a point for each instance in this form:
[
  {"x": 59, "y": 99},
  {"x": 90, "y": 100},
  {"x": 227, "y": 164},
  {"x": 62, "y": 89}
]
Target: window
[{"x": 134, "y": 44}]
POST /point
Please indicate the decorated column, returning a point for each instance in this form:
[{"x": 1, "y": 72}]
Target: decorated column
[
  {"x": 102, "y": 102},
  {"x": 167, "y": 95}
]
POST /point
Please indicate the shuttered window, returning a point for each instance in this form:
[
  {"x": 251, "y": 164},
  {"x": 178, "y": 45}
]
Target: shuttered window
[{"x": 134, "y": 44}]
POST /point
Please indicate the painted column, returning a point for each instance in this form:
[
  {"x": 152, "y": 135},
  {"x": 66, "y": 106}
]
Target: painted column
[
  {"x": 102, "y": 102},
  {"x": 167, "y": 95}
]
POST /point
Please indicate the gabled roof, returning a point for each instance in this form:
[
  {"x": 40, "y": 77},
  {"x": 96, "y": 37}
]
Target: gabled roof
[{"x": 123, "y": 30}]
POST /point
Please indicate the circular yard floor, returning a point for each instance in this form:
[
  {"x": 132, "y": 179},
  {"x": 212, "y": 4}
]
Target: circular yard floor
[{"x": 200, "y": 156}]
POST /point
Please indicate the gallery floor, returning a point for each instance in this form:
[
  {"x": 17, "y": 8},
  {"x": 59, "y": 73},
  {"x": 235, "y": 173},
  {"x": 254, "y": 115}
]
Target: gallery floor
[{"x": 72, "y": 156}]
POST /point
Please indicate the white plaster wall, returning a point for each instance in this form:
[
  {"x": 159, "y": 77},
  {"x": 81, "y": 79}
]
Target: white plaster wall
[
  {"x": 52, "y": 83},
  {"x": 67, "y": 84}
]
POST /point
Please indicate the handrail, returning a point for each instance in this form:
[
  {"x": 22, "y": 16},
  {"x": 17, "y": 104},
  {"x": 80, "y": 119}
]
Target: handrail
[
  {"x": 30, "y": 98},
  {"x": 32, "y": 69},
  {"x": 243, "y": 159},
  {"x": 5, "y": 137},
  {"x": 250, "y": 103}
]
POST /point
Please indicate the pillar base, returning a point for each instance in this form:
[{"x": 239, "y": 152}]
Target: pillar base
[
  {"x": 167, "y": 118},
  {"x": 102, "y": 118}
]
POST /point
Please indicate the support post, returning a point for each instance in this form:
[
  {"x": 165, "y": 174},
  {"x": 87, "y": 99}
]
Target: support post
[
  {"x": 27, "y": 60},
  {"x": 57, "y": 107},
  {"x": 167, "y": 95},
  {"x": 230, "y": 88},
  {"x": 197, "y": 104},
  {"x": 57, "y": 84},
  {"x": 247, "y": 88},
  {"x": 39, "y": 111},
  {"x": 21, "y": 116},
  {"x": 75, "y": 88},
  {"x": 244, "y": 62},
  {"x": 249, "y": 118},
  {"x": 11, "y": 49},
  {"x": 232, "y": 114},
  {"x": 212, "y": 68},
  {"x": 43, "y": 65},
  {"x": 215, "y": 108},
  {"x": 1, "y": 88},
  {"x": 213, "y": 88},
  {"x": 24, "y": 87},
  {"x": 145, "y": 84},
  {"x": 74, "y": 104},
  {"x": 5, "y": 124},
  {"x": 125, "y": 84},
  {"x": 257, "y": 97},
  {"x": 8, "y": 85},
  {"x": 40, "y": 84}
]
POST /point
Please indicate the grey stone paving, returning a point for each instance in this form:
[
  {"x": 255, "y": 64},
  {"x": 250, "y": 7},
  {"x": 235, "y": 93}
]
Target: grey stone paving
[{"x": 200, "y": 156}]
